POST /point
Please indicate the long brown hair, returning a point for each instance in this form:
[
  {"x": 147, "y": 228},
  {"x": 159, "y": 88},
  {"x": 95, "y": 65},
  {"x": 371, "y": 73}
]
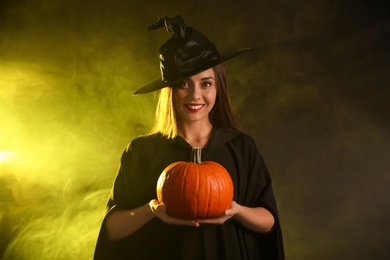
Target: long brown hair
[{"x": 221, "y": 116}]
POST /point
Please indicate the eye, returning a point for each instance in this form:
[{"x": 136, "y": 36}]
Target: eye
[
  {"x": 207, "y": 83},
  {"x": 181, "y": 84}
]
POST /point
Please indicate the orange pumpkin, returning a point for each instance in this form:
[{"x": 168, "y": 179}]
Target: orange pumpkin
[{"x": 195, "y": 190}]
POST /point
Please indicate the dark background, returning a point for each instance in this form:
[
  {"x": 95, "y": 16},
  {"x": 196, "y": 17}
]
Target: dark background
[{"x": 314, "y": 93}]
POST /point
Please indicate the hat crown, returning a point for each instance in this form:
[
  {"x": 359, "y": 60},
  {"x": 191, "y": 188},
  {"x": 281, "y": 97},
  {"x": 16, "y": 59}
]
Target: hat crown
[
  {"x": 185, "y": 54},
  {"x": 186, "y": 50}
]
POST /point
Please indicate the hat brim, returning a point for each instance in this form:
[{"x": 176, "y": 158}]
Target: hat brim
[{"x": 159, "y": 84}]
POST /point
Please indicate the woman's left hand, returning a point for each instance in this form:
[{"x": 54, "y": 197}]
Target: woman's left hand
[{"x": 230, "y": 212}]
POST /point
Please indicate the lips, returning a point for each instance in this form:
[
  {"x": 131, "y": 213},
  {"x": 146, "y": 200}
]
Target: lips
[{"x": 194, "y": 107}]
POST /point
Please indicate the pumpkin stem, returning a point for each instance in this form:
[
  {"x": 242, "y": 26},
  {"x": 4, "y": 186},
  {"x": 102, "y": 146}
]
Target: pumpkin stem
[{"x": 197, "y": 155}]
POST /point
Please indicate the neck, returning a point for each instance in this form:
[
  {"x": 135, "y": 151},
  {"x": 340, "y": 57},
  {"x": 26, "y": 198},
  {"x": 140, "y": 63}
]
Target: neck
[{"x": 196, "y": 134}]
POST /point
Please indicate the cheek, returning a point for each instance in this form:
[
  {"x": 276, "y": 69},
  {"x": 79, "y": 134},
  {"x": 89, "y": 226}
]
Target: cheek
[
  {"x": 176, "y": 100},
  {"x": 211, "y": 98}
]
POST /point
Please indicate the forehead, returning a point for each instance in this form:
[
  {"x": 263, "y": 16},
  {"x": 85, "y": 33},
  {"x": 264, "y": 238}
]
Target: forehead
[{"x": 207, "y": 74}]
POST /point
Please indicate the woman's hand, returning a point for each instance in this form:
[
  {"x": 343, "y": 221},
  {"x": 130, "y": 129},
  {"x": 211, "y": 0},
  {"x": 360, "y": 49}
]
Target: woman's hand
[
  {"x": 160, "y": 211},
  {"x": 256, "y": 219},
  {"x": 234, "y": 208}
]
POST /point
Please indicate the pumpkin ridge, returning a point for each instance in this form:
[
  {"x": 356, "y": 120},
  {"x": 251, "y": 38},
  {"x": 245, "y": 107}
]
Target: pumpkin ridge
[
  {"x": 198, "y": 194},
  {"x": 172, "y": 183},
  {"x": 222, "y": 203},
  {"x": 184, "y": 189},
  {"x": 208, "y": 199},
  {"x": 220, "y": 188},
  {"x": 229, "y": 182},
  {"x": 221, "y": 185},
  {"x": 209, "y": 169}
]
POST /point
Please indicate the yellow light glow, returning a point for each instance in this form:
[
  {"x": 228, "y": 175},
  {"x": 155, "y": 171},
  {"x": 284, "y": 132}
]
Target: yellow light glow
[{"x": 6, "y": 156}]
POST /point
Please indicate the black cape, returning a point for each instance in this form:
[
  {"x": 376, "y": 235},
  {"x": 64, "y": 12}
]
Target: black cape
[{"x": 135, "y": 185}]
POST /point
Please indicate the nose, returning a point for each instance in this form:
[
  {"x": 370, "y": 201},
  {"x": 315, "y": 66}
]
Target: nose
[{"x": 196, "y": 92}]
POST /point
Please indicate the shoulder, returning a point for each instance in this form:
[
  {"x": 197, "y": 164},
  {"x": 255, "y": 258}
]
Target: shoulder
[
  {"x": 244, "y": 137},
  {"x": 147, "y": 139},
  {"x": 234, "y": 139},
  {"x": 146, "y": 143},
  {"x": 246, "y": 145},
  {"x": 239, "y": 137}
]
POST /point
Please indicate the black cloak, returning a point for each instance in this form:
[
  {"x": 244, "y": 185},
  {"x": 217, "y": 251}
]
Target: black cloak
[{"x": 135, "y": 185}]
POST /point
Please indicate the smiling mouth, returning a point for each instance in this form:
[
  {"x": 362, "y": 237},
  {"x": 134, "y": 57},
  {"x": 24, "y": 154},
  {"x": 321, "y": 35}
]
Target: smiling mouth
[{"x": 194, "y": 108}]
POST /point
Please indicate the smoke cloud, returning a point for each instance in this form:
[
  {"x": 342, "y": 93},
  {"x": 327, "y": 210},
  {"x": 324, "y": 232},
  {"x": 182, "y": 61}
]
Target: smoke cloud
[{"x": 313, "y": 92}]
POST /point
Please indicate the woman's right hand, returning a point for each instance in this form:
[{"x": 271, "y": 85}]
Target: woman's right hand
[{"x": 160, "y": 211}]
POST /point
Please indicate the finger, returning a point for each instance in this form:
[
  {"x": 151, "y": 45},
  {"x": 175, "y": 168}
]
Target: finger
[
  {"x": 153, "y": 203},
  {"x": 176, "y": 221},
  {"x": 219, "y": 220},
  {"x": 161, "y": 208},
  {"x": 229, "y": 212},
  {"x": 216, "y": 221},
  {"x": 211, "y": 221}
]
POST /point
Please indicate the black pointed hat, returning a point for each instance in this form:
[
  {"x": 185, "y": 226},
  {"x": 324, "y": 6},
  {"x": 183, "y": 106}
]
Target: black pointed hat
[{"x": 185, "y": 54}]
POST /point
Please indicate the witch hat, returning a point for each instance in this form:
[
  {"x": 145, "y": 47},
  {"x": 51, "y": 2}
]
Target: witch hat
[{"x": 187, "y": 53}]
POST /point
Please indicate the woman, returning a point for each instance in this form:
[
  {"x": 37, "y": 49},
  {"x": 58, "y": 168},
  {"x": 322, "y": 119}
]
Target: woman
[{"x": 193, "y": 111}]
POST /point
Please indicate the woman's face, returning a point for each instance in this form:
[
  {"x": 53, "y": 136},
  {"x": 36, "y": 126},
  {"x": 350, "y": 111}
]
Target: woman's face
[{"x": 194, "y": 97}]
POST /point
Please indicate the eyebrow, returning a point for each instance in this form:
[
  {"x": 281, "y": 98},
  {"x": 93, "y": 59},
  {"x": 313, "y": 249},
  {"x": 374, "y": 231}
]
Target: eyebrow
[{"x": 206, "y": 78}]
